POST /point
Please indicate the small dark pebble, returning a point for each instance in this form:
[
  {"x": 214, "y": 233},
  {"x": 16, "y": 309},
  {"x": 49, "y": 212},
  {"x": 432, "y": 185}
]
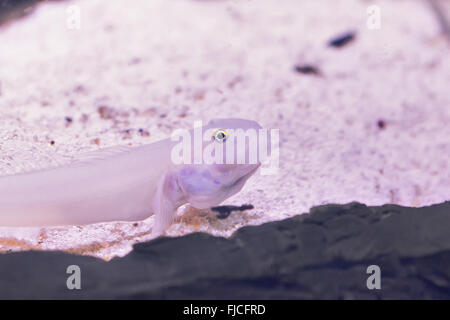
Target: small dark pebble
[
  {"x": 68, "y": 119},
  {"x": 342, "y": 40},
  {"x": 135, "y": 224},
  {"x": 381, "y": 124},
  {"x": 307, "y": 69},
  {"x": 225, "y": 211},
  {"x": 52, "y": 142}
]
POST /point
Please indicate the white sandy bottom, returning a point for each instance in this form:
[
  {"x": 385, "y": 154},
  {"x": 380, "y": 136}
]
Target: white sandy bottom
[{"x": 162, "y": 66}]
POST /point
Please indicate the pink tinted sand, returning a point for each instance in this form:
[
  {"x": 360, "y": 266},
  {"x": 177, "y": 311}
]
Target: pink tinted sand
[{"x": 374, "y": 127}]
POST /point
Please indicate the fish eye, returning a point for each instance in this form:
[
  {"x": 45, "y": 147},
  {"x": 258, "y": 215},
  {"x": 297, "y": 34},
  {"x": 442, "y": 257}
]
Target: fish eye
[{"x": 220, "y": 135}]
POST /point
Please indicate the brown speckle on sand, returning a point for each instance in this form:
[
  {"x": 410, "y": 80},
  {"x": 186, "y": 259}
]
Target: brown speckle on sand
[
  {"x": 12, "y": 243},
  {"x": 95, "y": 247},
  {"x": 144, "y": 133},
  {"x": 394, "y": 196},
  {"x": 106, "y": 112},
  {"x": 42, "y": 238},
  {"x": 234, "y": 82},
  {"x": 149, "y": 112},
  {"x": 199, "y": 95},
  {"x": 109, "y": 113},
  {"x": 84, "y": 118},
  {"x": 194, "y": 217}
]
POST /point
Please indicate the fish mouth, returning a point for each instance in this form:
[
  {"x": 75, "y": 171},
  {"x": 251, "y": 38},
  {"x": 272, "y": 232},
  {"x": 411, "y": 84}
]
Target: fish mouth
[{"x": 227, "y": 191}]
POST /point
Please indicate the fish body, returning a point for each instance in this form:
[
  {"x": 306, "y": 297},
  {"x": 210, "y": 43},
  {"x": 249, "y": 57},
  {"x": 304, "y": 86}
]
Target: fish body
[{"x": 122, "y": 184}]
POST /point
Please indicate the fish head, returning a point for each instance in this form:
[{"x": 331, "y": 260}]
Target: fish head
[{"x": 231, "y": 157}]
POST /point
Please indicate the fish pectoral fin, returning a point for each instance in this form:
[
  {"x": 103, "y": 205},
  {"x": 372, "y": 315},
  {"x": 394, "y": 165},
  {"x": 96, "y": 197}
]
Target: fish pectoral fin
[{"x": 168, "y": 197}]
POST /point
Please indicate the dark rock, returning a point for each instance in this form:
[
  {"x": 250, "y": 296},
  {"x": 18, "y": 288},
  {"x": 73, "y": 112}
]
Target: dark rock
[
  {"x": 14, "y": 9},
  {"x": 321, "y": 255}
]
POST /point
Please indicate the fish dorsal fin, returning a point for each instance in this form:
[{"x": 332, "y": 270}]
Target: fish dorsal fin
[{"x": 99, "y": 155}]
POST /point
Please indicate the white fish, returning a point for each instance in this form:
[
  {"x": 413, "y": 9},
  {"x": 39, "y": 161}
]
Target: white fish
[{"x": 123, "y": 184}]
